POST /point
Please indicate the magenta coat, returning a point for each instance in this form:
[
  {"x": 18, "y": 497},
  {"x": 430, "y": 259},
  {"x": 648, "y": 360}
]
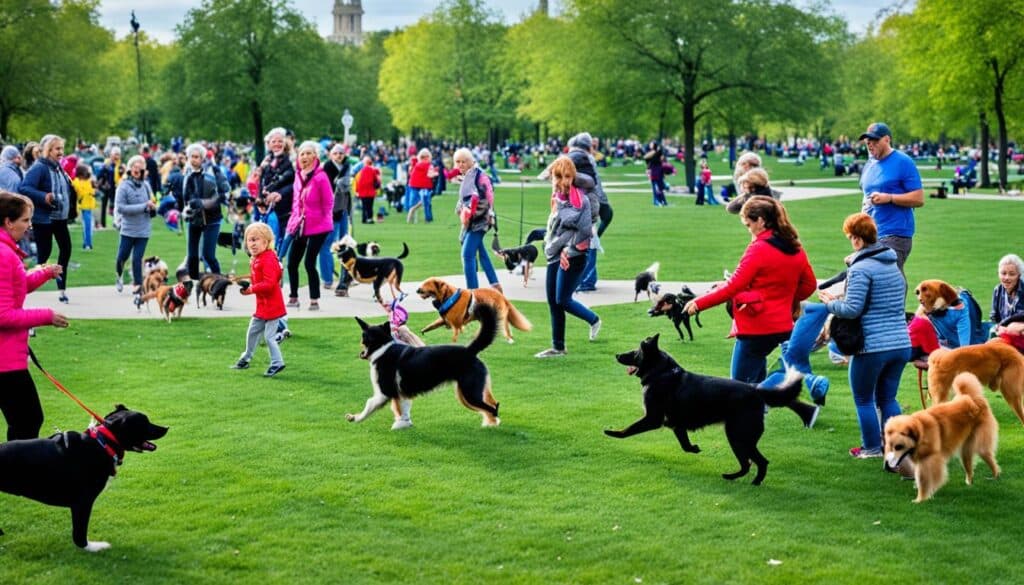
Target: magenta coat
[
  {"x": 313, "y": 200},
  {"x": 15, "y": 320}
]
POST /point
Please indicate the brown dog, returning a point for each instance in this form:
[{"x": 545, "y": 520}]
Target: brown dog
[
  {"x": 215, "y": 286},
  {"x": 996, "y": 363},
  {"x": 935, "y": 294},
  {"x": 457, "y": 312},
  {"x": 171, "y": 298},
  {"x": 930, "y": 437}
]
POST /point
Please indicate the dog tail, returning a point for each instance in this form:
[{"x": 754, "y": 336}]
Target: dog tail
[
  {"x": 967, "y": 384},
  {"x": 405, "y": 251},
  {"x": 786, "y": 392},
  {"x": 535, "y": 235},
  {"x": 653, "y": 269},
  {"x": 517, "y": 319},
  {"x": 488, "y": 319}
]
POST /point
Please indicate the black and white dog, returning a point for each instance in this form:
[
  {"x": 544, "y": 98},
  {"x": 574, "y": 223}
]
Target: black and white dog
[
  {"x": 522, "y": 257},
  {"x": 647, "y": 281},
  {"x": 401, "y": 372},
  {"x": 672, "y": 305},
  {"x": 71, "y": 469},
  {"x": 373, "y": 270}
]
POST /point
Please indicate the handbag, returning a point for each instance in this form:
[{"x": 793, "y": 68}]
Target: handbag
[{"x": 849, "y": 333}]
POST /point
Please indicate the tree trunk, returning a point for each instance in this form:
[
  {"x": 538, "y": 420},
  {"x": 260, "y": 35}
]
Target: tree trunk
[
  {"x": 985, "y": 182},
  {"x": 5, "y": 120},
  {"x": 1001, "y": 128},
  {"x": 689, "y": 128},
  {"x": 257, "y": 126}
]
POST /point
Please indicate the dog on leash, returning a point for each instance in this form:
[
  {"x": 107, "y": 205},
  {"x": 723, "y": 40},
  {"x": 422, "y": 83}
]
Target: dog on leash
[
  {"x": 671, "y": 305},
  {"x": 375, "y": 270},
  {"x": 997, "y": 364},
  {"x": 171, "y": 298},
  {"x": 931, "y": 437},
  {"x": 71, "y": 469},
  {"x": 402, "y": 372},
  {"x": 684, "y": 401},
  {"x": 522, "y": 257},
  {"x": 456, "y": 307},
  {"x": 647, "y": 281},
  {"x": 215, "y": 286}
]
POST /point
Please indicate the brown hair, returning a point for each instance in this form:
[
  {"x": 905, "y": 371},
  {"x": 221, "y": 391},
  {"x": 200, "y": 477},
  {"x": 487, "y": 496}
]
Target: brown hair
[
  {"x": 862, "y": 226},
  {"x": 563, "y": 173},
  {"x": 12, "y": 205},
  {"x": 755, "y": 177},
  {"x": 774, "y": 215}
]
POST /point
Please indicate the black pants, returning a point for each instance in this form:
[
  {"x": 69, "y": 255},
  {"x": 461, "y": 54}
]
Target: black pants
[
  {"x": 19, "y": 402},
  {"x": 310, "y": 246},
  {"x": 605, "y": 214},
  {"x": 367, "y": 204},
  {"x": 45, "y": 234},
  {"x": 105, "y": 200}
]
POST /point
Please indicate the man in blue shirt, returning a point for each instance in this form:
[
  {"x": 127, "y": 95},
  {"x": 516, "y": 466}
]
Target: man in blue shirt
[{"x": 892, "y": 189}]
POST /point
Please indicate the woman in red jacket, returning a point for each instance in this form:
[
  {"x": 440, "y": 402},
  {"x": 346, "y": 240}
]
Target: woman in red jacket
[
  {"x": 366, "y": 188},
  {"x": 765, "y": 291}
]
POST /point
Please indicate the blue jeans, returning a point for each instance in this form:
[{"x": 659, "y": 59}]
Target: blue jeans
[
  {"x": 709, "y": 194},
  {"x": 749, "y": 356},
  {"x": 473, "y": 246},
  {"x": 137, "y": 248},
  {"x": 87, "y": 228},
  {"x": 411, "y": 197},
  {"x": 326, "y": 255},
  {"x": 797, "y": 352},
  {"x": 658, "y": 189},
  {"x": 588, "y": 281},
  {"x": 559, "y": 286},
  {"x": 208, "y": 234},
  {"x": 874, "y": 380}
]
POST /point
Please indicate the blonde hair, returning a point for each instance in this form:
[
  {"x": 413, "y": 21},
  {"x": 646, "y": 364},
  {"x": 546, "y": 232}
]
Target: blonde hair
[
  {"x": 563, "y": 173},
  {"x": 263, "y": 230},
  {"x": 755, "y": 177},
  {"x": 46, "y": 144},
  {"x": 746, "y": 162}
]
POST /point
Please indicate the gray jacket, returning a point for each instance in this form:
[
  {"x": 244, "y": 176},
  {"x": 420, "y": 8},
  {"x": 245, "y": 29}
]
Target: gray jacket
[
  {"x": 10, "y": 177},
  {"x": 568, "y": 227},
  {"x": 130, "y": 201},
  {"x": 878, "y": 283}
]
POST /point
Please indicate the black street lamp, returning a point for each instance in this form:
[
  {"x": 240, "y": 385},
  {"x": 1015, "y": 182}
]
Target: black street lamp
[{"x": 138, "y": 70}]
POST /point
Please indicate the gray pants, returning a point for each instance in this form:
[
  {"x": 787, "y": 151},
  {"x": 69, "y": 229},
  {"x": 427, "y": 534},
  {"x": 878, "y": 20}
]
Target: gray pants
[
  {"x": 901, "y": 246},
  {"x": 268, "y": 329}
]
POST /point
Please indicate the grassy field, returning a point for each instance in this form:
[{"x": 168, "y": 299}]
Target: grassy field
[{"x": 263, "y": 481}]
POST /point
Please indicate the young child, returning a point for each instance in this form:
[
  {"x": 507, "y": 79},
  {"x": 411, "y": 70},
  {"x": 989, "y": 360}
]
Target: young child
[
  {"x": 266, "y": 285},
  {"x": 86, "y": 193}
]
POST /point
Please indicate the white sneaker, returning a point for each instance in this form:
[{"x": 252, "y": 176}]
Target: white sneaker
[
  {"x": 594, "y": 329},
  {"x": 119, "y": 283},
  {"x": 552, "y": 352}
]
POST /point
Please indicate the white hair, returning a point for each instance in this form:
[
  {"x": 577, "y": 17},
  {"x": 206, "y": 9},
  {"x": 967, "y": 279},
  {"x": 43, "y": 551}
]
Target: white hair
[
  {"x": 195, "y": 148},
  {"x": 310, "y": 144},
  {"x": 275, "y": 132},
  {"x": 1013, "y": 259},
  {"x": 464, "y": 153},
  {"x": 135, "y": 159},
  {"x": 46, "y": 141}
]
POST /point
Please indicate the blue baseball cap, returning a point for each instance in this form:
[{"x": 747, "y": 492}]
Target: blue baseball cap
[{"x": 876, "y": 131}]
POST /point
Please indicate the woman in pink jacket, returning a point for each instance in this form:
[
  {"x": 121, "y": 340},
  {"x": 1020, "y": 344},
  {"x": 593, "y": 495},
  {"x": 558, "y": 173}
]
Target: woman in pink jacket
[
  {"x": 310, "y": 222},
  {"x": 19, "y": 400}
]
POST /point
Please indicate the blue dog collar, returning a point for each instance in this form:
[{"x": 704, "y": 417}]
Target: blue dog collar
[{"x": 447, "y": 305}]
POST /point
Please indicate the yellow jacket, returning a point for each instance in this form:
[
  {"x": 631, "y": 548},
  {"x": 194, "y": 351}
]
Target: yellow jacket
[{"x": 86, "y": 194}]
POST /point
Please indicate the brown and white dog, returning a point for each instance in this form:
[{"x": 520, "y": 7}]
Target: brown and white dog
[
  {"x": 456, "y": 307},
  {"x": 171, "y": 298},
  {"x": 997, "y": 364},
  {"x": 931, "y": 437},
  {"x": 935, "y": 294}
]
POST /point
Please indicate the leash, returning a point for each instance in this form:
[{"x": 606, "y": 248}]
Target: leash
[{"x": 61, "y": 387}]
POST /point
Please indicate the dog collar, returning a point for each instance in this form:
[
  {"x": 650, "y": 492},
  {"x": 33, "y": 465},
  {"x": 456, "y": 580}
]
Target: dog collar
[
  {"x": 448, "y": 304},
  {"x": 380, "y": 351},
  {"x": 102, "y": 435}
]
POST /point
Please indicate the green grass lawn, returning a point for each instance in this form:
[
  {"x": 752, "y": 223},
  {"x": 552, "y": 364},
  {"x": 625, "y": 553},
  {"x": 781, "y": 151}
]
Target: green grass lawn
[{"x": 263, "y": 480}]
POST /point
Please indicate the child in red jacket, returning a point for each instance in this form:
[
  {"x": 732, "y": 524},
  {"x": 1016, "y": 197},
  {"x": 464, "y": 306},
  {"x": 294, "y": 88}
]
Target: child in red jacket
[{"x": 266, "y": 285}]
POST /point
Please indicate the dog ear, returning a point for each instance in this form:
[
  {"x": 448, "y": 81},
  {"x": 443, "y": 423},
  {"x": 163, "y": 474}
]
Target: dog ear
[
  {"x": 654, "y": 341},
  {"x": 120, "y": 407},
  {"x": 949, "y": 293},
  {"x": 362, "y": 324}
]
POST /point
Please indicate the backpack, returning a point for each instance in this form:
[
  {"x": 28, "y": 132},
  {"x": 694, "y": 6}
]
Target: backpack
[{"x": 978, "y": 333}]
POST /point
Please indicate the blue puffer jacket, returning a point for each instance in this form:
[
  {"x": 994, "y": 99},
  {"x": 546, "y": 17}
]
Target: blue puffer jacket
[
  {"x": 876, "y": 281},
  {"x": 39, "y": 181}
]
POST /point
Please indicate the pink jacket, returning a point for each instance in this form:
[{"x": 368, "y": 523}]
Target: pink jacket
[
  {"x": 15, "y": 321},
  {"x": 315, "y": 202}
]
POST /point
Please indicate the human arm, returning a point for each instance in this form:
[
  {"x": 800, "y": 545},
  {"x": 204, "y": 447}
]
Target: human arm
[
  {"x": 14, "y": 317},
  {"x": 858, "y": 285},
  {"x": 32, "y": 187},
  {"x": 913, "y": 198},
  {"x": 740, "y": 280},
  {"x": 123, "y": 206}
]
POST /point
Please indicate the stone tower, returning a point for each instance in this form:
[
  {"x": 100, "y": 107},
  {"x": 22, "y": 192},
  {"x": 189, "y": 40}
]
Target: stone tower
[{"x": 348, "y": 22}]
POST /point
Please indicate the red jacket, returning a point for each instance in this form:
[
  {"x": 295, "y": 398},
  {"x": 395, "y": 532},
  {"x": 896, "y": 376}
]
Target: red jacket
[
  {"x": 368, "y": 183},
  {"x": 418, "y": 178},
  {"x": 765, "y": 289},
  {"x": 266, "y": 285}
]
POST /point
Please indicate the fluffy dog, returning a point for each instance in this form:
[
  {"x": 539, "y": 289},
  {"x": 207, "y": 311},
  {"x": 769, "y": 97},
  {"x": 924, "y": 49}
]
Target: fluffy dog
[
  {"x": 930, "y": 437},
  {"x": 936, "y": 294},
  {"x": 456, "y": 307},
  {"x": 671, "y": 305},
  {"x": 524, "y": 256},
  {"x": 170, "y": 298},
  {"x": 375, "y": 270},
  {"x": 215, "y": 286},
  {"x": 644, "y": 280},
  {"x": 71, "y": 469},
  {"x": 153, "y": 263},
  {"x": 997, "y": 364},
  {"x": 685, "y": 401},
  {"x": 401, "y": 372}
]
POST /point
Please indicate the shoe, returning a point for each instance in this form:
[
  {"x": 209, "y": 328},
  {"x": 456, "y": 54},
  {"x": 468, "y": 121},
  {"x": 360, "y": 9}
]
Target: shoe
[
  {"x": 818, "y": 385},
  {"x": 293, "y": 302},
  {"x": 341, "y": 292},
  {"x": 314, "y": 306},
  {"x": 550, "y": 353},
  {"x": 119, "y": 283},
  {"x": 328, "y": 285},
  {"x": 137, "y": 299},
  {"x": 241, "y": 365},
  {"x": 862, "y": 453},
  {"x": 63, "y": 297},
  {"x": 586, "y": 289},
  {"x": 273, "y": 371},
  {"x": 594, "y": 329},
  {"x": 281, "y": 336}
]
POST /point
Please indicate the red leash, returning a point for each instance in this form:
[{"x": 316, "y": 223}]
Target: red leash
[{"x": 62, "y": 388}]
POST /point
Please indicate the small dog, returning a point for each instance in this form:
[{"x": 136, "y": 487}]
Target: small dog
[
  {"x": 997, "y": 364},
  {"x": 685, "y": 401},
  {"x": 644, "y": 280},
  {"x": 524, "y": 256},
  {"x": 170, "y": 298},
  {"x": 401, "y": 372},
  {"x": 71, "y": 469},
  {"x": 671, "y": 305},
  {"x": 931, "y": 437},
  {"x": 375, "y": 270},
  {"x": 457, "y": 311},
  {"x": 216, "y": 286},
  {"x": 936, "y": 294},
  {"x": 394, "y": 191},
  {"x": 153, "y": 263}
]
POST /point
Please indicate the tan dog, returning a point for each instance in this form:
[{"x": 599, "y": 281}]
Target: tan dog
[
  {"x": 931, "y": 437},
  {"x": 457, "y": 312},
  {"x": 935, "y": 294},
  {"x": 171, "y": 298},
  {"x": 996, "y": 363}
]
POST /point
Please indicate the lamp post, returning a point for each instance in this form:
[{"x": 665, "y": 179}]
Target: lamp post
[
  {"x": 138, "y": 71},
  {"x": 346, "y": 121}
]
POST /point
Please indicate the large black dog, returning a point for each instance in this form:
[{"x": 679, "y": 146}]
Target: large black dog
[
  {"x": 70, "y": 469},
  {"x": 672, "y": 305},
  {"x": 684, "y": 401},
  {"x": 401, "y": 372}
]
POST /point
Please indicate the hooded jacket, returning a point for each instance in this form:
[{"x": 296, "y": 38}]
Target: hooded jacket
[
  {"x": 15, "y": 284},
  {"x": 873, "y": 279},
  {"x": 312, "y": 203}
]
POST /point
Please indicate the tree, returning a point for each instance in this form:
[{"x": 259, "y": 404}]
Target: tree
[
  {"x": 125, "y": 101},
  {"x": 354, "y": 72}
]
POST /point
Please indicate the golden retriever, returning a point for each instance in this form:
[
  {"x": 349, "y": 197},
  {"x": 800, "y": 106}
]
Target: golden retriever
[
  {"x": 459, "y": 311},
  {"x": 931, "y": 437},
  {"x": 996, "y": 363},
  {"x": 935, "y": 294}
]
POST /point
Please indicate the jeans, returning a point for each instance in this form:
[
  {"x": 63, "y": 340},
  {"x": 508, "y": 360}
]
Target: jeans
[
  {"x": 45, "y": 234},
  {"x": 901, "y": 245},
  {"x": 137, "y": 248},
  {"x": 797, "y": 352},
  {"x": 874, "y": 380},
  {"x": 87, "y": 229},
  {"x": 559, "y": 286},
  {"x": 268, "y": 329},
  {"x": 208, "y": 234},
  {"x": 749, "y": 356},
  {"x": 326, "y": 255},
  {"x": 658, "y": 189},
  {"x": 310, "y": 246},
  {"x": 20, "y": 404},
  {"x": 709, "y": 194},
  {"x": 472, "y": 247},
  {"x": 588, "y": 280}
]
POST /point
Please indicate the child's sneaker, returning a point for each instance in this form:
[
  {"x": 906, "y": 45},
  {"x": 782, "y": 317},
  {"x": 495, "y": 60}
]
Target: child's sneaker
[
  {"x": 282, "y": 335},
  {"x": 547, "y": 353},
  {"x": 594, "y": 329},
  {"x": 241, "y": 365},
  {"x": 273, "y": 371},
  {"x": 818, "y": 386}
]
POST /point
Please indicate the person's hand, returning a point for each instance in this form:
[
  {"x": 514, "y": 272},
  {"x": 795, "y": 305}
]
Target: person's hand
[
  {"x": 49, "y": 198},
  {"x": 59, "y": 321},
  {"x": 563, "y": 260},
  {"x": 55, "y": 270},
  {"x": 245, "y": 291},
  {"x": 826, "y": 296},
  {"x": 273, "y": 197},
  {"x": 150, "y": 205},
  {"x": 878, "y": 198},
  {"x": 691, "y": 307}
]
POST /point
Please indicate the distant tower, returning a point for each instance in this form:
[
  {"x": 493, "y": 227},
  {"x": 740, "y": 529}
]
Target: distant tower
[
  {"x": 543, "y": 8},
  {"x": 348, "y": 22}
]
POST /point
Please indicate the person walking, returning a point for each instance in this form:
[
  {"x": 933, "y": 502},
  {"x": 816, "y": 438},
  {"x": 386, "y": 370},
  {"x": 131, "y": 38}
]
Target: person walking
[
  {"x": 277, "y": 177},
  {"x": 204, "y": 190},
  {"x": 421, "y": 187},
  {"x": 475, "y": 209},
  {"x": 367, "y": 185},
  {"x": 107, "y": 181},
  {"x": 339, "y": 170},
  {"x": 86, "y": 193},
  {"x": 135, "y": 204},
  {"x": 19, "y": 400},
  {"x": 49, "y": 188},
  {"x": 580, "y": 152},
  {"x": 310, "y": 222}
]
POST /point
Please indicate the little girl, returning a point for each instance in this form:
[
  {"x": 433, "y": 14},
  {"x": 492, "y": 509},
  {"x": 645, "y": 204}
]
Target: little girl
[
  {"x": 266, "y": 285},
  {"x": 86, "y": 193}
]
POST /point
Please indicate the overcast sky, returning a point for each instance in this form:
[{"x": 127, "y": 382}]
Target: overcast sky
[{"x": 159, "y": 17}]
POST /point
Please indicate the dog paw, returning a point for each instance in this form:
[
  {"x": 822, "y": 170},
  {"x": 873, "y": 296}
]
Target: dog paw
[
  {"x": 97, "y": 546},
  {"x": 350, "y": 417},
  {"x": 613, "y": 433},
  {"x": 692, "y": 449}
]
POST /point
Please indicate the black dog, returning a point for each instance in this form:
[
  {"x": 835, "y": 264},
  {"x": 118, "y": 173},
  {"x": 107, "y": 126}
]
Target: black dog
[
  {"x": 672, "y": 305},
  {"x": 375, "y": 270},
  {"x": 525, "y": 256},
  {"x": 647, "y": 281},
  {"x": 71, "y": 469},
  {"x": 401, "y": 372},
  {"x": 684, "y": 401}
]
